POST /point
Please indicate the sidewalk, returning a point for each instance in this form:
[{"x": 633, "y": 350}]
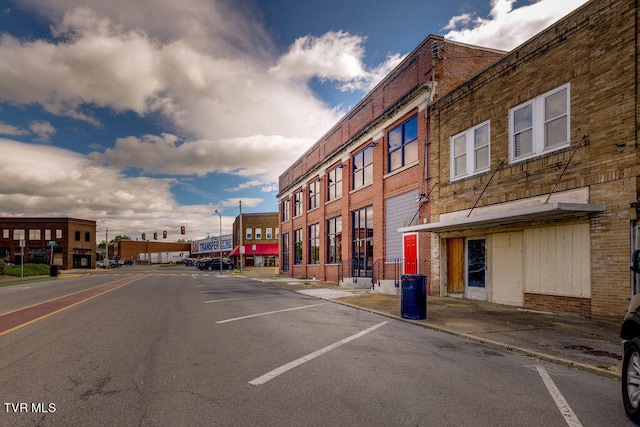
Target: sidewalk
[{"x": 585, "y": 344}]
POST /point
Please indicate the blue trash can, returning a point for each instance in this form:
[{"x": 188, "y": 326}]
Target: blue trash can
[{"x": 414, "y": 297}]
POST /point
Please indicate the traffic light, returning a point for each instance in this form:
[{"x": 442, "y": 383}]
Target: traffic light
[
  {"x": 182, "y": 230},
  {"x": 164, "y": 234},
  {"x": 155, "y": 235},
  {"x": 144, "y": 236}
]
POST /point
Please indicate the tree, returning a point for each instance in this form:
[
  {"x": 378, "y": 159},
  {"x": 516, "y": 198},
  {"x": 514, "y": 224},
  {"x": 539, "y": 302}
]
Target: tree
[{"x": 118, "y": 238}]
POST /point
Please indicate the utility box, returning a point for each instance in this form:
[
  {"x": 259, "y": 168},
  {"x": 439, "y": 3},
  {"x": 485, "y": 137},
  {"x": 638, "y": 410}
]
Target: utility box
[{"x": 414, "y": 297}]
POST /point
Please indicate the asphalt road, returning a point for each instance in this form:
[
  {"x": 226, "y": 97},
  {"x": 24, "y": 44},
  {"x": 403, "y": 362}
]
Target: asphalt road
[{"x": 181, "y": 347}]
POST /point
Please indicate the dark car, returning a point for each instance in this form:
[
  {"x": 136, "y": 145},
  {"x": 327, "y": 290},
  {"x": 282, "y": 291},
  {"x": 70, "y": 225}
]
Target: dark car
[
  {"x": 630, "y": 334},
  {"x": 216, "y": 264}
]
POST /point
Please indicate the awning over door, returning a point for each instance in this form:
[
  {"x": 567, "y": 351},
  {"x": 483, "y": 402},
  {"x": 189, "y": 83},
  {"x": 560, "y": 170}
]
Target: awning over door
[
  {"x": 261, "y": 249},
  {"x": 548, "y": 211}
]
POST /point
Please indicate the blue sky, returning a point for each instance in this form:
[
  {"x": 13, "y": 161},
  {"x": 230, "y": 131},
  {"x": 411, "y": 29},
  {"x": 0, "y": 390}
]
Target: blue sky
[{"x": 149, "y": 115}]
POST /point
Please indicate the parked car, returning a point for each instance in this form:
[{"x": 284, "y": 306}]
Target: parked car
[
  {"x": 189, "y": 262},
  {"x": 630, "y": 333},
  {"x": 125, "y": 262},
  {"x": 215, "y": 264}
]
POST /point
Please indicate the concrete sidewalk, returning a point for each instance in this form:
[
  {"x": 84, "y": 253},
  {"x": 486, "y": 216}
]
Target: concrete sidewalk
[{"x": 571, "y": 341}]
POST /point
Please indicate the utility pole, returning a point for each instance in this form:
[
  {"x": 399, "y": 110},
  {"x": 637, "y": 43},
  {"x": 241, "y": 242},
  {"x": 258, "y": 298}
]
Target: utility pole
[
  {"x": 220, "y": 242},
  {"x": 241, "y": 231}
]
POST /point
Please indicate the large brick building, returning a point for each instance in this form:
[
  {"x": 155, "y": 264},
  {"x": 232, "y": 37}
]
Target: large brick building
[
  {"x": 65, "y": 242},
  {"x": 537, "y": 164},
  {"x": 342, "y": 202},
  {"x": 255, "y": 239}
]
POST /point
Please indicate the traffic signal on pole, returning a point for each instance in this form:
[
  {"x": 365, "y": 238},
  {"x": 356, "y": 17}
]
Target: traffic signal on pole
[
  {"x": 144, "y": 236},
  {"x": 155, "y": 235},
  {"x": 182, "y": 230},
  {"x": 164, "y": 234}
]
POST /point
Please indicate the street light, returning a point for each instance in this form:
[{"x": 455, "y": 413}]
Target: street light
[{"x": 220, "y": 241}]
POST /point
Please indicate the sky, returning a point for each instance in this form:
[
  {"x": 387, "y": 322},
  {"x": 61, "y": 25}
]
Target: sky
[{"x": 148, "y": 115}]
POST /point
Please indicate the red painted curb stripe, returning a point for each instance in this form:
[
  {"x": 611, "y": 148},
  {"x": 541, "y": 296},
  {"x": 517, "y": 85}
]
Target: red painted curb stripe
[{"x": 24, "y": 316}]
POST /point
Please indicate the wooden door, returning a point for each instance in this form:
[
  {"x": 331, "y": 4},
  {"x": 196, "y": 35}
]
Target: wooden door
[{"x": 455, "y": 265}]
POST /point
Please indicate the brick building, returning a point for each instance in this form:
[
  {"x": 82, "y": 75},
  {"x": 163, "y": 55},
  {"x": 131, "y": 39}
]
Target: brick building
[
  {"x": 65, "y": 242},
  {"x": 537, "y": 164},
  {"x": 342, "y": 202},
  {"x": 257, "y": 234}
]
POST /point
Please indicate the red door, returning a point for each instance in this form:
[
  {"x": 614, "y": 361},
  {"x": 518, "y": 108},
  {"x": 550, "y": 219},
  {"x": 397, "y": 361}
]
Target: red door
[{"x": 410, "y": 252}]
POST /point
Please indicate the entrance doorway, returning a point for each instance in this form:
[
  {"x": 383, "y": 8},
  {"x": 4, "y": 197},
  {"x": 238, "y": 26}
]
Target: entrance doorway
[
  {"x": 410, "y": 253},
  {"x": 476, "y": 269}
]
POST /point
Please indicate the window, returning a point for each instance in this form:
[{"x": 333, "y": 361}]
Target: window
[
  {"x": 5, "y": 233},
  {"x": 47, "y": 234},
  {"x": 540, "y": 125},
  {"x": 297, "y": 246},
  {"x": 297, "y": 203},
  {"x": 77, "y": 236},
  {"x": 314, "y": 194},
  {"x": 362, "y": 242},
  {"x": 277, "y": 233},
  {"x": 286, "y": 209},
  {"x": 34, "y": 234},
  {"x": 269, "y": 234},
  {"x": 470, "y": 151},
  {"x": 18, "y": 234},
  {"x": 248, "y": 234},
  {"x": 334, "y": 240},
  {"x": 58, "y": 234},
  {"x": 334, "y": 183},
  {"x": 258, "y": 233},
  {"x": 402, "y": 143},
  {"x": 87, "y": 236},
  {"x": 285, "y": 252},
  {"x": 362, "y": 168},
  {"x": 314, "y": 244}
]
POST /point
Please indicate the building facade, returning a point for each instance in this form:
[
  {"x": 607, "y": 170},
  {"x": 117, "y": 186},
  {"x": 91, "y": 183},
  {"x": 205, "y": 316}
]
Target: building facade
[
  {"x": 132, "y": 249},
  {"x": 212, "y": 247},
  {"x": 255, "y": 239},
  {"x": 65, "y": 242},
  {"x": 537, "y": 164},
  {"x": 342, "y": 202}
]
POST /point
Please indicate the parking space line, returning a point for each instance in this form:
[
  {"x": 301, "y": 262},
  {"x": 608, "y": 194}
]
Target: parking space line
[
  {"x": 240, "y": 298},
  {"x": 269, "y": 312},
  {"x": 284, "y": 368},
  {"x": 566, "y": 411}
]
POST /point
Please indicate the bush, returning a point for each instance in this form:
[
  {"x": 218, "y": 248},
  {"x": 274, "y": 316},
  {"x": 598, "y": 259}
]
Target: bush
[
  {"x": 2, "y": 266},
  {"x": 29, "y": 270}
]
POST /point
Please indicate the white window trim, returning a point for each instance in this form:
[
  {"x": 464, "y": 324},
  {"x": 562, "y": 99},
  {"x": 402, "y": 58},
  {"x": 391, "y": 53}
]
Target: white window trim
[
  {"x": 248, "y": 233},
  {"x": 469, "y": 153},
  {"x": 538, "y": 126}
]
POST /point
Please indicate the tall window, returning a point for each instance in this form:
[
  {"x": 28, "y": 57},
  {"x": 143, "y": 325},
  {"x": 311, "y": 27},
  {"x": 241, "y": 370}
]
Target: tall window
[
  {"x": 269, "y": 234},
  {"x": 540, "y": 125},
  {"x": 18, "y": 234},
  {"x": 286, "y": 206},
  {"x": 285, "y": 252},
  {"x": 297, "y": 246},
  {"x": 314, "y": 194},
  {"x": 470, "y": 151},
  {"x": 403, "y": 144},
  {"x": 362, "y": 235},
  {"x": 258, "y": 233},
  {"x": 362, "y": 168},
  {"x": 248, "y": 233},
  {"x": 334, "y": 183},
  {"x": 34, "y": 234},
  {"x": 297, "y": 203},
  {"x": 334, "y": 240},
  {"x": 77, "y": 236},
  {"x": 314, "y": 244}
]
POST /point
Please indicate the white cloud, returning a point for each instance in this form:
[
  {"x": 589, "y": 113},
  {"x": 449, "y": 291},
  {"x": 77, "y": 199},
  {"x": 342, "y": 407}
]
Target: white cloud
[
  {"x": 507, "y": 27},
  {"x": 7, "y": 129},
  {"x": 43, "y": 129}
]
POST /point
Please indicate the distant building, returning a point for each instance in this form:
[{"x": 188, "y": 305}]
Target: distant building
[
  {"x": 259, "y": 235},
  {"x": 65, "y": 242},
  {"x": 130, "y": 249},
  {"x": 210, "y": 247}
]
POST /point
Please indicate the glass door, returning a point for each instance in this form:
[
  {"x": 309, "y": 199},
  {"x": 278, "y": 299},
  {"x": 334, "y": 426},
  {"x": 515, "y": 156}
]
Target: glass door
[
  {"x": 362, "y": 232},
  {"x": 476, "y": 269}
]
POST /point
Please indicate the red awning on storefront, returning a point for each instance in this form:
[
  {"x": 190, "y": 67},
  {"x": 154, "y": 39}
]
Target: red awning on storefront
[{"x": 260, "y": 249}]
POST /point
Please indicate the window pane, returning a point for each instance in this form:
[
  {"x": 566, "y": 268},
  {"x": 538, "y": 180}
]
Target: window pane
[
  {"x": 395, "y": 160},
  {"x": 368, "y": 174},
  {"x": 522, "y": 118},
  {"x": 555, "y": 132},
  {"x": 555, "y": 105},
  {"x": 411, "y": 129},
  {"x": 481, "y": 136},
  {"x": 395, "y": 138},
  {"x": 357, "y": 160},
  {"x": 411, "y": 152},
  {"x": 368, "y": 156},
  {"x": 460, "y": 165},
  {"x": 523, "y": 144},
  {"x": 459, "y": 145},
  {"x": 482, "y": 158}
]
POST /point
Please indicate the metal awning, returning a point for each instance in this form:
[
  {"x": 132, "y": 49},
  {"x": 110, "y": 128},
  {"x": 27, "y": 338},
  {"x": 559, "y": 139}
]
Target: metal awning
[{"x": 550, "y": 211}]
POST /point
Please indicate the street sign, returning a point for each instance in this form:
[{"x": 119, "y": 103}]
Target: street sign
[
  {"x": 242, "y": 249},
  {"x": 52, "y": 243}
]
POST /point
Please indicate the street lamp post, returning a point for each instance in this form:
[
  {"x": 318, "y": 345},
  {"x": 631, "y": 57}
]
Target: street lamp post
[{"x": 220, "y": 241}]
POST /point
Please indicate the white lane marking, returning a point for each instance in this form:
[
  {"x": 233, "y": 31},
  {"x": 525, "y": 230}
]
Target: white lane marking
[
  {"x": 566, "y": 411},
  {"x": 241, "y": 298},
  {"x": 269, "y": 312},
  {"x": 284, "y": 368}
]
